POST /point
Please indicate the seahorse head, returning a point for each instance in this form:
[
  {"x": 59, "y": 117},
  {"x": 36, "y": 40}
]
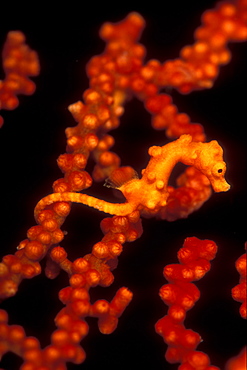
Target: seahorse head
[{"x": 210, "y": 162}]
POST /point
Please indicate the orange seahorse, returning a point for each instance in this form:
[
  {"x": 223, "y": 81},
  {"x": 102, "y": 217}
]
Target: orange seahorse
[{"x": 150, "y": 191}]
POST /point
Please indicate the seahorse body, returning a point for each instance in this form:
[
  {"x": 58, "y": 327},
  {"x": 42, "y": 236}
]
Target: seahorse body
[{"x": 150, "y": 192}]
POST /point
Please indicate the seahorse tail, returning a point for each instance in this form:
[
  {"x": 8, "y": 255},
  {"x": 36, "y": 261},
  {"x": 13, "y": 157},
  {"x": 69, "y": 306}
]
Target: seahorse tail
[
  {"x": 120, "y": 209},
  {"x": 46, "y": 201}
]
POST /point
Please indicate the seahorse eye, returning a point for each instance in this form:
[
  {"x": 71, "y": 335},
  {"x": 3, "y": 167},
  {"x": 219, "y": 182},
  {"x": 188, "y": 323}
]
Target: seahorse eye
[{"x": 219, "y": 169}]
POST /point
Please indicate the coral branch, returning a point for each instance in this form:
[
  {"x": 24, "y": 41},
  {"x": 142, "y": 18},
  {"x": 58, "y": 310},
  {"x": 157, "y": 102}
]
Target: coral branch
[
  {"x": 180, "y": 295},
  {"x": 19, "y": 62},
  {"x": 239, "y": 292}
]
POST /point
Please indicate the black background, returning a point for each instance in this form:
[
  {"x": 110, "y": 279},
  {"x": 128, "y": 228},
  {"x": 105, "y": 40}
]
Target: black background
[{"x": 32, "y": 137}]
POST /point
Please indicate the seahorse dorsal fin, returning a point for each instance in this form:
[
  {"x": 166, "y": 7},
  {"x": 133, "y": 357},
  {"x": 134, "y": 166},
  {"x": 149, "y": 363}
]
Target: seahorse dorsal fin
[{"x": 120, "y": 176}]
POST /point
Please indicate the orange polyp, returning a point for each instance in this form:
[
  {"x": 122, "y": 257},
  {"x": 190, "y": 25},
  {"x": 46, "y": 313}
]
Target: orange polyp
[
  {"x": 16, "y": 334},
  {"x": 65, "y": 294},
  {"x": 34, "y": 231},
  {"x": 29, "y": 271},
  {"x": 81, "y": 265},
  {"x": 79, "y": 294},
  {"x": 77, "y": 281},
  {"x": 65, "y": 162},
  {"x": 100, "y": 308},
  {"x": 92, "y": 277},
  {"x": 121, "y": 300},
  {"x": 57, "y": 236},
  {"x": 46, "y": 215},
  {"x": 16, "y": 268},
  {"x": 3, "y": 316},
  {"x": 241, "y": 265},
  {"x": 115, "y": 249},
  {"x": 80, "y": 307},
  {"x": 58, "y": 254},
  {"x": 34, "y": 250},
  {"x": 61, "y": 186},
  {"x": 62, "y": 209},
  {"x": 100, "y": 250},
  {"x": 79, "y": 161},
  {"x": 60, "y": 337},
  {"x": 80, "y": 355},
  {"x": 44, "y": 238},
  {"x": 52, "y": 354},
  {"x": 190, "y": 339},
  {"x": 90, "y": 121},
  {"x": 77, "y": 109},
  {"x": 239, "y": 292},
  {"x": 33, "y": 356},
  {"x": 238, "y": 362},
  {"x": 199, "y": 360},
  {"x": 177, "y": 313},
  {"x": 75, "y": 142},
  {"x": 76, "y": 180},
  {"x": 31, "y": 343},
  {"x": 50, "y": 225},
  {"x": 108, "y": 158}
]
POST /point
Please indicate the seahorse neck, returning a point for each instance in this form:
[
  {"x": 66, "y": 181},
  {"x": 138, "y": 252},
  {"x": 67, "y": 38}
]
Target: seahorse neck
[{"x": 163, "y": 159}]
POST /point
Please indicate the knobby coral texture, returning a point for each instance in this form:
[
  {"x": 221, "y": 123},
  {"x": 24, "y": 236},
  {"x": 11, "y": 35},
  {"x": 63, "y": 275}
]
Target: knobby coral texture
[{"x": 159, "y": 240}]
